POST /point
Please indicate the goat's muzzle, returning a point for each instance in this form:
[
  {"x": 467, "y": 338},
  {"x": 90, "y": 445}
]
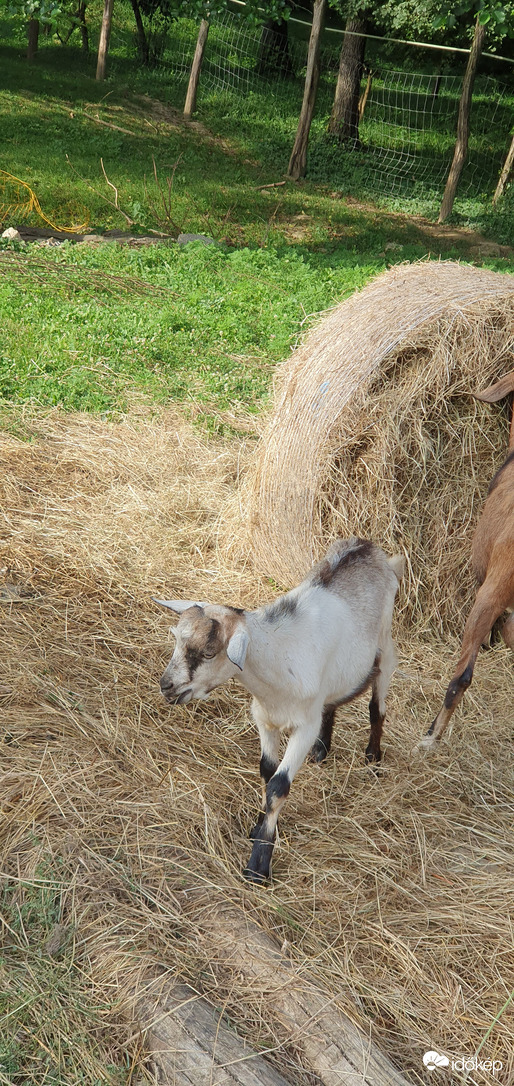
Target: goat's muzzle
[{"x": 169, "y": 692}]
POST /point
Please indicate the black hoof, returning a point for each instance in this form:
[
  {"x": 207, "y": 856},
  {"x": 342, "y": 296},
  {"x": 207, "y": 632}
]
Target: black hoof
[
  {"x": 318, "y": 752},
  {"x": 258, "y": 869},
  {"x": 373, "y": 760},
  {"x": 255, "y": 876}
]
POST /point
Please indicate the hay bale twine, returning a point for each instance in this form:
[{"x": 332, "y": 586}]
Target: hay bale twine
[{"x": 373, "y": 431}]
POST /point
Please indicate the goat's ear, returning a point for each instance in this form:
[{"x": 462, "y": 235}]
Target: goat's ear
[
  {"x": 178, "y": 605},
  {"x": 397, "y": 563},
  {"x": 498, "y": 391},
  {"x": 237, "y": 647}
]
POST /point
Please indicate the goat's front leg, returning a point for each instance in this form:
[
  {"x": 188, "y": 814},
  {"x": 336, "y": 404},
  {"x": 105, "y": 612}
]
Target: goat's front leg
[
  {"x": 277, "y": 791},
  {"x": 270, "y": 746}
]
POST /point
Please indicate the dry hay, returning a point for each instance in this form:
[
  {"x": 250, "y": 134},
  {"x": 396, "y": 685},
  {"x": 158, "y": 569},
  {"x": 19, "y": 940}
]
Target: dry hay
[
  {"x": 374, "y": 433},
  {"x": 392, "y": 893}
]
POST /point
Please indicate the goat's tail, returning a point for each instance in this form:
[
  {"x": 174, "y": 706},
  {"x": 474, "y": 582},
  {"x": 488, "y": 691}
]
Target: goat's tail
[{"x": 397, "y": 563}]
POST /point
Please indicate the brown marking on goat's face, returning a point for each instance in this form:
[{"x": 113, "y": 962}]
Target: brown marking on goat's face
[{"x": 204, "y": 642}]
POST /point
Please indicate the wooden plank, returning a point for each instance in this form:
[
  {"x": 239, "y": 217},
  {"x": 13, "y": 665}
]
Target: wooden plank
[
  {"x": 190, "y": 1045},
  {"x": 331, "y": 1044}
]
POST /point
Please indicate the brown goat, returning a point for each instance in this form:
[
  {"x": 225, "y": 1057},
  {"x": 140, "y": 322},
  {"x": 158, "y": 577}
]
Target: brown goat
[{"x": 492, "y": 556}]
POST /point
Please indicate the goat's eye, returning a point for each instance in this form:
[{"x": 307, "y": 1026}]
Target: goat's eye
[{"x": 209, "y": 655}]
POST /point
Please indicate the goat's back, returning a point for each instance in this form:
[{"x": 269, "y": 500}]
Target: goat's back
[{"x": 356, "y": 568}]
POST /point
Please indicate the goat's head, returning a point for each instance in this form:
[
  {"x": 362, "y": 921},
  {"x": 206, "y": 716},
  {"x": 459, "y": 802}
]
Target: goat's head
[{"x": 210, "y": 648}]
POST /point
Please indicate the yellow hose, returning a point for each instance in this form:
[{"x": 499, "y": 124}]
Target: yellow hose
[{"x": 31, "y": 204}]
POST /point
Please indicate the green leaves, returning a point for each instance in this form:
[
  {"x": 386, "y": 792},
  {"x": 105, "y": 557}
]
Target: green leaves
[
  {"x": 254, "y": 12},
  {"x": 47, "y": 11},
  {"x": 499, "y": 18}
]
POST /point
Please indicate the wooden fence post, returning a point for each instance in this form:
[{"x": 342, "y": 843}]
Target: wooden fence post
[
  {"x": 298, "y": 160},
  {"x": 461, "y": 144},
  {"x": 504, "y": 176},
  {"x": 190, "y": 103}
]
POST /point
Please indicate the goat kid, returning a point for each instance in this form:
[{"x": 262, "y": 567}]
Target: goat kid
[
  {"x": 314, "y": 648},
  {"x": 492, "y": 556}
]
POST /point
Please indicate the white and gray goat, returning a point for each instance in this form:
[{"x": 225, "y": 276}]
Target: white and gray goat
[{"x": 315, "y": 648}]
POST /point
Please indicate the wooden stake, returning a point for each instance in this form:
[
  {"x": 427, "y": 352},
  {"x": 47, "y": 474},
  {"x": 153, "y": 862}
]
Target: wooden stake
[
  {"x": 461, "y": 144},
  {"x": 505, "y": 174},
  {"x": 190, "y": 103},
  {"x": 105, "y": 34},
  {"x": 298, "y": 160}
]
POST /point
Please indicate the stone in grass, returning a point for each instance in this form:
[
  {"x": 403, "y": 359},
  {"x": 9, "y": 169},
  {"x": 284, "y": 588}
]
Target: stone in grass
[
  {"x": 12, "y": 234},
  {"x": 184, "y": 239}
]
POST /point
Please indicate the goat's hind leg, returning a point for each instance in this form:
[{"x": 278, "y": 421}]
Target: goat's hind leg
[
  {"x": 490, "y": 602},
  {"x": 377, "y": 706},
  {"x": 321, "y": 747},
  {"x": 508, "y": 631}
]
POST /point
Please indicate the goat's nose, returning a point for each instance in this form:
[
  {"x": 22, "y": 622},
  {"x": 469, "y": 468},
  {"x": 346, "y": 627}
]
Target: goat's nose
[{"x": 166, "y": 684}]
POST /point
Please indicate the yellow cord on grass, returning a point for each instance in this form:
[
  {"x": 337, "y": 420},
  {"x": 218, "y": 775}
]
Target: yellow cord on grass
[{"x": 24, "y": 207}]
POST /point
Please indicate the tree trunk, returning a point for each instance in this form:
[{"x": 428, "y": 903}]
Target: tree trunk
[
  {"x": 105, "y": 33},
  {"x": 33, "y": 38},
  {"x": 298, "y": 160},
  {"x": 461, "y": 145},
  {"x": 141, "y": 36},
  {"x": 274, "y": 57},
  {"x": 344, "y": 118},
  {"x": 196, "y": 67},
  {"x": 505, "y": 174}
]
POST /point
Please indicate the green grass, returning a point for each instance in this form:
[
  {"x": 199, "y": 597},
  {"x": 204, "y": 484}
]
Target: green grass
[
  {"x": 193, "y": 324},
  {"x": 92, "y": 329},
  {"x": 51, "y": 1023}
]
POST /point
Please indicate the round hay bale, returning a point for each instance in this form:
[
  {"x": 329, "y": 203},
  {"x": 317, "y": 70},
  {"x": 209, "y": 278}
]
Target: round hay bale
[{"x": 374, "y": 433}]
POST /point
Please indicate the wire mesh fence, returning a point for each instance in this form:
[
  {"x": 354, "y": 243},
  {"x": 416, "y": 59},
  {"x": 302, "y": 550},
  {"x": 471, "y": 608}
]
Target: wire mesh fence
[
  {"x": 407, "y": 130},
  {"x": 407, "y": 133}
]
